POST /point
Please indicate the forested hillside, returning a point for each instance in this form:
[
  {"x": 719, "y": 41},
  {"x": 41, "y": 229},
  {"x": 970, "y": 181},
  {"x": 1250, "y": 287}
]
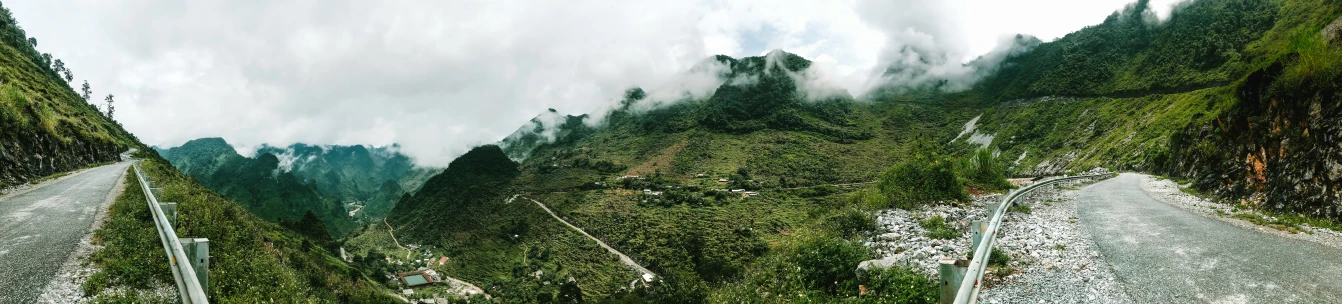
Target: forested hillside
[
  {"x": 258, "y": 184},
  {"x": 1239, "y": 96},
  {"x": 374, "y": 178},
  {"x": 45, "y": 126}
]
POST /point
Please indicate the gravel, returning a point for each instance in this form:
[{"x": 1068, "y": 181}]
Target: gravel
[
  {"x": 905, "y": 243},
  {"x": 1167, "y": 191},
  {"x": 1054, "y": 261}
]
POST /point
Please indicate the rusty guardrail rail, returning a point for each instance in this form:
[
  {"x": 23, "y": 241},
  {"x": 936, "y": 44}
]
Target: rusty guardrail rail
[
  {"x": 969, "y": 288},
  {"x": 189, "y": 257}
]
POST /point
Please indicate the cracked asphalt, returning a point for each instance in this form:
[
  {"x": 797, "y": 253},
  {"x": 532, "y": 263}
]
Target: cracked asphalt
[
  {"x": 1163, "y": 254},
  {"x": 39, "y": 229}
]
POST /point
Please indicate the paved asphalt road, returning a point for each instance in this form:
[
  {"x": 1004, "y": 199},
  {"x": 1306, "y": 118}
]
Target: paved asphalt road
[
  {"x": 39, "y": 229},
  {"x": 1163, "y": 254}
]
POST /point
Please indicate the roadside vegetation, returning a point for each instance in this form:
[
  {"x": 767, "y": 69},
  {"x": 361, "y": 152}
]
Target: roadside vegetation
[{"x": 245, "y": 250}]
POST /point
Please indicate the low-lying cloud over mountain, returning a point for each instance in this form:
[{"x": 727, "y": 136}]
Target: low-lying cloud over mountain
[{"x": 438, "y": 77}]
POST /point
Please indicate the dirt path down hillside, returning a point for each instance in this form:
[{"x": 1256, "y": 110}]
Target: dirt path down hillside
[{"x": 644, "y": 272}]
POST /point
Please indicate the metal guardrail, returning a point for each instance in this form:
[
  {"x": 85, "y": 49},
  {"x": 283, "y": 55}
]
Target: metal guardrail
[
  {"x": 190, "y": 271},
  {"x": 970, "y": 287}
]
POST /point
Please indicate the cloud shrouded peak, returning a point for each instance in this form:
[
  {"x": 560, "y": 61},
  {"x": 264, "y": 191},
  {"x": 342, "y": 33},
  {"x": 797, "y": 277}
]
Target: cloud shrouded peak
[{"x": 439, "y": 77}]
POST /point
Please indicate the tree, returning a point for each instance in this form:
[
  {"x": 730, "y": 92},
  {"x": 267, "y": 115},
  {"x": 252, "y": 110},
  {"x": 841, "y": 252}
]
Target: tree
[
  {"x": 46, "y": 58},
  {"x": 88, "y": 92},
  {"x": 110, "y": 108},
  {"x": 32, "y": 41},
  {"x": 68, "y": 76}
]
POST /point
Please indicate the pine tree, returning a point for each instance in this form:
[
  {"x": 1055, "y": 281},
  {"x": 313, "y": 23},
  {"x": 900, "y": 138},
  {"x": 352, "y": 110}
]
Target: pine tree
[{"x": 110, "y": 108}]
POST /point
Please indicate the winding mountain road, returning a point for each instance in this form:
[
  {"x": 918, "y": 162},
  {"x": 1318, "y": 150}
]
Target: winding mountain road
[
  {"x": 40, "y": 228},
  {"x": 1163, "y": 254}
]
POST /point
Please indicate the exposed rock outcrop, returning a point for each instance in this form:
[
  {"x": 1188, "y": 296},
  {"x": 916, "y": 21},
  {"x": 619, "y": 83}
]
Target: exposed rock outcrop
[
  {"x": 26, "y": 155},
  {"x": 1333, "y": 32}
]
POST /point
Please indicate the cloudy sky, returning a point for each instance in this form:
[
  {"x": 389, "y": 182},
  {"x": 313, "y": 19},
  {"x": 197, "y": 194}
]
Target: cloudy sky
[{"x": 439, "y": 77}]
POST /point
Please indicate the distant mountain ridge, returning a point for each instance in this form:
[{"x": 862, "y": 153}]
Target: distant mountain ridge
[{"x": 284, "y": 183}]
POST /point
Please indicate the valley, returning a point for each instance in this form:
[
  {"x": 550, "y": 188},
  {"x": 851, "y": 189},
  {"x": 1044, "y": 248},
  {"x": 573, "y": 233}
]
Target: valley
[{"x": 762, "y": 182}]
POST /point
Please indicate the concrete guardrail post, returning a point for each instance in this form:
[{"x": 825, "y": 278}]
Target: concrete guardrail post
[
  {"x": 198, "y": 250},
  {"x": 169, "y": 211},
  {"x": 952, "y": 272},
  {"x": 977, "y": 229}
]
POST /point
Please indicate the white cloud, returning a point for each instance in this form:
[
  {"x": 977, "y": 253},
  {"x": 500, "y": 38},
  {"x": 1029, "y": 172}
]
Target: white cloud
[{"x": 441, "y": 76}]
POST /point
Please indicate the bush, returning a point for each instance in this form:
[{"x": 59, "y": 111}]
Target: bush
[
  {"x": 828, "y": 264},
  {"x": 899, "y": 285},
  {"x": 984, "y": 171},
  {"x": 1020, "y": 208},
  {"x": 998, "y": 258},
  {"x": 851, "y": 222},
  {"x": 920, "y": 180},
  {"x": 937, "y": 228}
]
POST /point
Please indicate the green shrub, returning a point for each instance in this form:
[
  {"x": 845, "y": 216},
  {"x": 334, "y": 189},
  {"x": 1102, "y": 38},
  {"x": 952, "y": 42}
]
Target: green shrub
[
  {"x": 899, "y": 285},
  {"x": 1019, "y": 208},
  {"x": 983, "y": 170},
  {"x": 851, "y": 222},
  {"x": 998, "y": 258},
  {"x": 828, "y": 264},
  {"x": 920, "y": 180},
  {"x": 937, "y": 228}
]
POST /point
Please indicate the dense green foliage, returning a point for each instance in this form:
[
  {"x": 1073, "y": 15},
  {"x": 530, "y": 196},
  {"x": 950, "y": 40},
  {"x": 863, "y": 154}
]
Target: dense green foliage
[
  {"x": 1131, "y": 54},
  {"x": 923, "y": 179},
  {"x": 984, "y": 171},
  {"x": 828, "y": 263},
  {"x": 251, "y": 260}
]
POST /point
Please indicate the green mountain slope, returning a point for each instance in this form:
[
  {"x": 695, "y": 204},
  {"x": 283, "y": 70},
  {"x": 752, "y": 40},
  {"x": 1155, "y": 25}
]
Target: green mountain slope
[
  {"x": 45, "y": 127},
  {"x": 258, "y": 184},
  {"x": 284, "y": 183},
  {"x": 370, "y": 177},
  {"x": 1239, "y": 95}
]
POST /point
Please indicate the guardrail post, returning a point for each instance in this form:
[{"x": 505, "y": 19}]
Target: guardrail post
[
  {"x": 169, "y": 211},
  {"x": 198, "y": 250},
  {"x": 977, "y": 229},
  {"x": 952, "y": 272}
]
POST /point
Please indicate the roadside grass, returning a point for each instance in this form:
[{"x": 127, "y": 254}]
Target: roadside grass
[
  {"x": 937, "y": 228},
  {"x": 1274, "y": 223},
  {"x": 1020, "y": 208},
  {"x": 252, "y": 260}
]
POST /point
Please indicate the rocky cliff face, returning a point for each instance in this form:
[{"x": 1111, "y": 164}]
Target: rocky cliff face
[
  {"x": 1281, "y": 145},
  {"x": 29, "y": 154}
]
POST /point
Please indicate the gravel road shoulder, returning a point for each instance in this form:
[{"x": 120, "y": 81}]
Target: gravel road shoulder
[
  {"x": 1055, "y": 260},
  {"x": 1169, "y": 192}
]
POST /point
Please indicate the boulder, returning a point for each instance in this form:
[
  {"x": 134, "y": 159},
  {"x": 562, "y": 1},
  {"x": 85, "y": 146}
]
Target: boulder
[{"x": 1333, "y": 32}]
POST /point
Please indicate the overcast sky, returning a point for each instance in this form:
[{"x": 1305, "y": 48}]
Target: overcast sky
[{"x": 439, "y": 77}]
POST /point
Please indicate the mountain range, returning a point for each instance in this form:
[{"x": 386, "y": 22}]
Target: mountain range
[
  {"x": 761, "y": 188},
  {"x": 341, "y": 185}
]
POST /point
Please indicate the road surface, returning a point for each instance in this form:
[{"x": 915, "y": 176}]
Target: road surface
[
  {"x": 1163, "y": 254},
  {"x": 40, "y": 228}
]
